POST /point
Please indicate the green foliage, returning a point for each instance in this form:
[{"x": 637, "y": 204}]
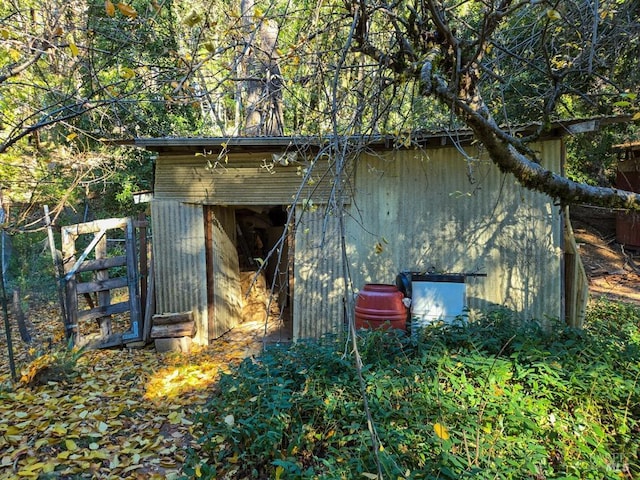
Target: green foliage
[
  {"x": 591, "y": 157},
  {"x": 30, "y": 264},
  {"x": 495, "y": 399}
]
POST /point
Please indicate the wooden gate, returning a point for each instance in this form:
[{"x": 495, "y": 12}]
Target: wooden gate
[{"x": 98, "y": 277}]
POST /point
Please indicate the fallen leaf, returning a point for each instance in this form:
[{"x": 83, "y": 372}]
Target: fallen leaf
[
  {"x": 109, "y": 8},
  {"x": 441, "y": 431},
  {"x": 127, "y": 10}
]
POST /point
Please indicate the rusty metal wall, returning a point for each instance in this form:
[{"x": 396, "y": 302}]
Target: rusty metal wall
[
  {"x": 421, "y": 210},
  {"x": 318, "y": 288},
  {"x": 180, "y": 262},
  {"x": 240, "y": 179}
]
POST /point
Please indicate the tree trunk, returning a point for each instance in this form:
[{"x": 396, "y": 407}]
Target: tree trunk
[{"x": 262, "y": 82}]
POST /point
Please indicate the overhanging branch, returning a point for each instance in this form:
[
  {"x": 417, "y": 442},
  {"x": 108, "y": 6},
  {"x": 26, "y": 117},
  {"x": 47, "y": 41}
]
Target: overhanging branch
[{"x": 529, "y": 174}]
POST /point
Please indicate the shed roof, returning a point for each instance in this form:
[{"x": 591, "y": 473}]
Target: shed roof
[{"x": 177, "y": 145}]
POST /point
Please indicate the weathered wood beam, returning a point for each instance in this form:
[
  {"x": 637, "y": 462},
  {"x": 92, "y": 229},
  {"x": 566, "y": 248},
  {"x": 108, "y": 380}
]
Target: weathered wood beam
[
  {"x": 183, "y": 329},
  {"x": 102, "y": 285},
  {"x": 169, "y": 318}
]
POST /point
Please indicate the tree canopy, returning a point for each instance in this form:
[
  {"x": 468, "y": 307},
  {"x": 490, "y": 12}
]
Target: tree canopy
[{"x": 74, "y": 73}]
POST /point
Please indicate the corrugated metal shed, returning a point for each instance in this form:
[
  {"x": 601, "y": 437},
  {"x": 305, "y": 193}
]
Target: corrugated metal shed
[
  {"x": 409, "y": 209},
  {"x": 239, "y": 179}
]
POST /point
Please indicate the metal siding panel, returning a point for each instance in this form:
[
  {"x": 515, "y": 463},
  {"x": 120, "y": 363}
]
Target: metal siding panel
[
  {"x": 318, "y": 284},
  {"x": 242, "y": 180},
  {"x": 434, "y": 209},
  {"x": 179, "y": 261}
]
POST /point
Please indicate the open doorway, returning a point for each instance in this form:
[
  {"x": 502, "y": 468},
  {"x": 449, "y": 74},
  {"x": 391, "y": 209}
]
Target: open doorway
[{"x": 249, "y": 269}]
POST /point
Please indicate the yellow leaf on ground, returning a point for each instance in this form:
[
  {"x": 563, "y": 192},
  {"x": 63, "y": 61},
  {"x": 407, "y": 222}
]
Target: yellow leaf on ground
[
  {"x": 59, "y": 429},
  {"x": 127, "y": 10},
  {"x": 441, "y": 431},
  {"x": 110, "y": 8},
  {"x": 74, "y": 49},
  {"x": 71, "y": 445}
]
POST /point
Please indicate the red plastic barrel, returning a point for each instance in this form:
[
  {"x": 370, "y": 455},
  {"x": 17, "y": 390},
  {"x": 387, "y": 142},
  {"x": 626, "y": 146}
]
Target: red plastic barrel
[{"x": 380, "y": 306}]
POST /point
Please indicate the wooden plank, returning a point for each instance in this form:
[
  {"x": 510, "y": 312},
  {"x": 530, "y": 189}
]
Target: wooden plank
[
  {"x": 71, "y": 295},
  {"x": 104, "y": 296},
  {"x": 57, "y": 264},
  {"x": 103, "y": 311},
  {"x": 96, "y": 238},
  {"x": 20, "y": 317},
  {"x": 141, "y": 221},
  {"x": 143, "y": 262},
  {"x": 102, "y": 264},
  {"x": 95, "y": 341},
  {"x": 227, "y": 295},
  {"x": 95, "y": 226},
  {"x": 169, "y": 318},
  {"x": 149, "y": 308},
  {"x": 183, "y": 329},
  {"x": 132, "y": 277},
  {"x": 209, "y": 267},
  {"x": 101, "y": 285}
]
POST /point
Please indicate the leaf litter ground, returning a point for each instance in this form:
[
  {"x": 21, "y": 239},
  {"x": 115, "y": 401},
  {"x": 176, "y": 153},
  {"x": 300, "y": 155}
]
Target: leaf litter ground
[{"x": 125, "y": 414}]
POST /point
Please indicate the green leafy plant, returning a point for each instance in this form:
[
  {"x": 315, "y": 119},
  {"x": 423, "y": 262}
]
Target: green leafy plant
[{"x": 493, "y": 399}]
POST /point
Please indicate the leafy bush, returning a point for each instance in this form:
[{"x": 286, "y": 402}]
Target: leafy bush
[{"x": 494, "y": 399}]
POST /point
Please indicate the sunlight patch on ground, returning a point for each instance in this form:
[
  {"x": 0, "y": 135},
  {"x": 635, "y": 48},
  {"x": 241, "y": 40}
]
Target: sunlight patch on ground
[{"x": 195, "y": 373}]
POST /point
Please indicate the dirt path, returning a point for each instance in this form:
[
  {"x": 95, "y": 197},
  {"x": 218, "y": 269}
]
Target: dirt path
[{"x": 612, "y": 270}]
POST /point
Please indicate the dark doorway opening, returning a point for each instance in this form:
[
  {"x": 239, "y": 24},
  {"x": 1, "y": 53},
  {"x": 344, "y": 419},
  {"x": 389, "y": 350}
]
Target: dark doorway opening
[
  {"x": 249, "y": 270},
  {"x": 265, "y": 258}
]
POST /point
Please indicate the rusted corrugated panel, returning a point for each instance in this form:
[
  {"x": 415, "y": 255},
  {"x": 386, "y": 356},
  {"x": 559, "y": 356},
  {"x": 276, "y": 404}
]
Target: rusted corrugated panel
[
  {"x": 318, "y": 289},
  {"x": 179, "y": 261},
  {"x": 628, "y": 178},
  {"x": 247, "y": 179},
  {"x": 422, "y": 210}
]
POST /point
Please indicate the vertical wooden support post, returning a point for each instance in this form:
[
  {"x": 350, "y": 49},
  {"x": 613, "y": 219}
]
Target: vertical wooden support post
[
  {"x": 208, "y": 242},
  {"x": 72, "y": 331},
  {"x": 132, "y": 280},
  {"x": 104, "y": 296},
  {"x": 58, "y": 270},
  {"x": 20, "y": 317},
  {"x": 144, "y": 263}
]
